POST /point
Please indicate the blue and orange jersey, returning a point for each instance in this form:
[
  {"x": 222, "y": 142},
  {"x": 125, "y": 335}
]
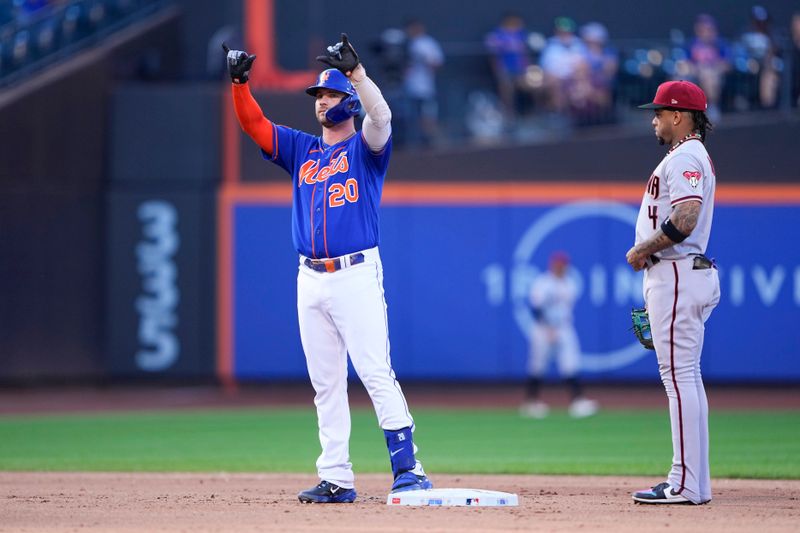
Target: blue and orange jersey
[{"x": 336, "y": 191}]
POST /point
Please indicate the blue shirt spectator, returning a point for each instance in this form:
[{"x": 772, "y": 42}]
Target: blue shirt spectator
[
  {"x": 508, "y": 48},
  {"x": 508, "y": 44},
  {"x": 710, "y": 57}
]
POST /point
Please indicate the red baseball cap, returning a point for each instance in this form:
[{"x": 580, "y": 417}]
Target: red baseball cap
[
  {"x": 678, "y": 95},
  {"x": 559, "y": 256}
]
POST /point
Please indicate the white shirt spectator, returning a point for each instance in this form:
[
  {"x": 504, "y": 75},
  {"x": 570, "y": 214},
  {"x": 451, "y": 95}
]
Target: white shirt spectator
[
  {"x": 425, "y": 56},
  {"x": 561, "y": 58}
]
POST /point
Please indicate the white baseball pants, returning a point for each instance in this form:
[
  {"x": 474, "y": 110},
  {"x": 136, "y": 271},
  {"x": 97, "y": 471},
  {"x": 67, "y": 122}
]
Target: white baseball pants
[
  {"x": 341, "y": 313},
  {"x": 679, "y": 300},
  {"x": 561, "y": 341}
]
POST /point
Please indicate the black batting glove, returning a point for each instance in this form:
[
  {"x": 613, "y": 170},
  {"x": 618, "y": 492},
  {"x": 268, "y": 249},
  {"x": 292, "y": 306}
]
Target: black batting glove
[
  {"x": 341, "y": 56},
  {"x": 239, "y": 64}
]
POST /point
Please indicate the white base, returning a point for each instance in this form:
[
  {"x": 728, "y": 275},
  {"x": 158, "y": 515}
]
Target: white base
[{"x": 454, "y": 497}]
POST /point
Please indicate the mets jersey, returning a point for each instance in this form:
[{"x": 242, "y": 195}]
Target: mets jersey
[
  {"x": 337, "y": 191},
  {"x": 686, "y": 173}
]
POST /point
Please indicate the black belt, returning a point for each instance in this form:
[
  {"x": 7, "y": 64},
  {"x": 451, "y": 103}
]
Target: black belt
[
  {"x": 332, "y": 265},
  {"x": 699, "y": 262}
]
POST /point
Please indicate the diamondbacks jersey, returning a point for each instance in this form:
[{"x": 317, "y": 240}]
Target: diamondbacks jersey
[
  {"x": 686, "y": 173},
  {"x": 336, "y": 191},
  {"x": 555, "y": 297}
]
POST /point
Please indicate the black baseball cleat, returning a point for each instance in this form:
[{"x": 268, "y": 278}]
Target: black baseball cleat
[
  {"x": 327, "y": 493},
  {"x": 661, "y": 493}
]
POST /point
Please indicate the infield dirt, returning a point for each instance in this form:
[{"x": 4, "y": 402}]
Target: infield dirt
[{"x": 109, "y": 502}]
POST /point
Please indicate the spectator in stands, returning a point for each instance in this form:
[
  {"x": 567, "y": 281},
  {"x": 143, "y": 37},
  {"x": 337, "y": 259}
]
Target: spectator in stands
[
  {"x": 586, "y": 102},
  {"x": 710, "y": 59},
  {"x": 562, "y": 57},
  {"x": 795, "y": 30},
  {"x": 761, "y": 46},
  {"x": 425, "y": 56},
  {"x": 509, "y": 56},
  {"x": 603, "y": 60},
  {"x": 590, "y": 91}
]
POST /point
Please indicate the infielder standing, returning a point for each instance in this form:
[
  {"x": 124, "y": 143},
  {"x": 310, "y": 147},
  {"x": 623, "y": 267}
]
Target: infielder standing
[
  {"x": 681, "y": 285},
  {"x": 337, "y": 180}
]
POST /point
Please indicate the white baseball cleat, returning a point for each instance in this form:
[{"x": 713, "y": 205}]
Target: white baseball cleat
[
  {"x": 534, "y": 409},
  {"x": 661, "y": 493},
  {"x": 583, "y": 407}
]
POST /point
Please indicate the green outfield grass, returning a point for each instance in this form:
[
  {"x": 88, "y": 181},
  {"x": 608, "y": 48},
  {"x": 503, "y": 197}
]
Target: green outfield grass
[{"x": 752, "y": 444}]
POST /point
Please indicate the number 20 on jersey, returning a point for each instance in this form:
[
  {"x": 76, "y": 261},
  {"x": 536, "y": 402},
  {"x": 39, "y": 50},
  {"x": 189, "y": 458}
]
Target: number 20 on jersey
[{"x": 339, "y": 193}]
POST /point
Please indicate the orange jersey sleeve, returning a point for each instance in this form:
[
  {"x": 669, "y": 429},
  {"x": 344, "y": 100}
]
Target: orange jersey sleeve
[{"x": 251, "y": 118}]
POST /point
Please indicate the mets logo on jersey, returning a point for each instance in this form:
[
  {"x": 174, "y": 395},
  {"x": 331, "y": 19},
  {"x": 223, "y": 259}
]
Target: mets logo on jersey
[
  {"x": 311, "y": 173},
  {"x": 693, "y": 176}
]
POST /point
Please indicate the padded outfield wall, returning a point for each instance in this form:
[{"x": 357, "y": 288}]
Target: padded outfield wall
[{"x": 458, "y": 260}]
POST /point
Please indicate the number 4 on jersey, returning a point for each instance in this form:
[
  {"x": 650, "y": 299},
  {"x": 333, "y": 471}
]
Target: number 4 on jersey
[{"x": 652, "y": 214}]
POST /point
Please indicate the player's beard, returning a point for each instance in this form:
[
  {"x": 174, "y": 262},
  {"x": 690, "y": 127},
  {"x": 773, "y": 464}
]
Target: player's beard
[
  {"x": 323, "y": 120},
  {"x": 661, "y": 135}
]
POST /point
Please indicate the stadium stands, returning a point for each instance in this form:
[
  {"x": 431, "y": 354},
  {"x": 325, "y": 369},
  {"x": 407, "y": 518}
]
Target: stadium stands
[{"x": 31, "y": 38}]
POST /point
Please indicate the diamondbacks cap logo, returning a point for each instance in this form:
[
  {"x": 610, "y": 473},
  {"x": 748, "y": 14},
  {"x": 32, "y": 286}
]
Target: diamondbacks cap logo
[{"x": 693, "y": 176}]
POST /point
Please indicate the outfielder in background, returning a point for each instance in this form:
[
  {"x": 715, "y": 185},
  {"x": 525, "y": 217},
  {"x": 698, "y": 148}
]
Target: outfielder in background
[
  {"x": 337, "y": 180},
  {"x": 681, "y": 285},
  {"x": 552, "y": 299}
]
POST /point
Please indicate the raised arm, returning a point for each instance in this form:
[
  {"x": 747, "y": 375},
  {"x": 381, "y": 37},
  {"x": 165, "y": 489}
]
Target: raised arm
[
  {"x": 377, "y": 125},
  {"x": 251, "y": 118}
]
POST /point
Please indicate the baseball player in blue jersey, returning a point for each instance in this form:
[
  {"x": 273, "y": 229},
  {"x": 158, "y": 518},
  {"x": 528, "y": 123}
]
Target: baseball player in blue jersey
[{"x": 337, "y": 180}]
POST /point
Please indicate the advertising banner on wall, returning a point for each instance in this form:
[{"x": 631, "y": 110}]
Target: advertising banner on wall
[
  {"x": 458, "y": 276},
  {"x": 160, "y": 305}
]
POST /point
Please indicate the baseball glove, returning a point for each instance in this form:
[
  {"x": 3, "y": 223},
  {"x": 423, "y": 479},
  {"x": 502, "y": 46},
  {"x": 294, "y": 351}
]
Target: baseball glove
[
  {"x": 341, "y": 56},
  {"x": 641, "y": 327}
]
